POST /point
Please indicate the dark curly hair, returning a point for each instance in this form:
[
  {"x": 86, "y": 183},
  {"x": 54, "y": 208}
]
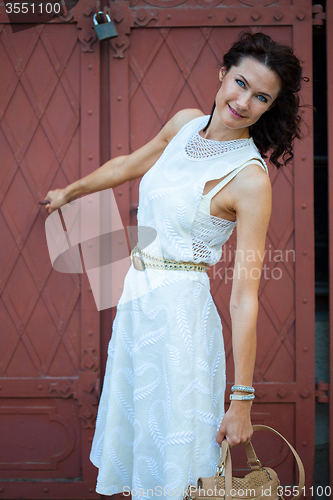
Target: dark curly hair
[{"x": 279, "y": 126}]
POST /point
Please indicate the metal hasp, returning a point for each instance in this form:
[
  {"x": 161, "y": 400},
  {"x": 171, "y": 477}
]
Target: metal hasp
[
  {"x": 318, "y": 15},
  {"x": 104, "y": 30},
  {"x": 322, "y": 392}
]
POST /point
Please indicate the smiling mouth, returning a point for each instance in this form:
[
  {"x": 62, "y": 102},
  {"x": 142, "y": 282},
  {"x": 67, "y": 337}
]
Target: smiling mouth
[{"x": 234, "y": 112}]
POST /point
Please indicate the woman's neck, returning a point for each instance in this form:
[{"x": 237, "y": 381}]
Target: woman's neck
[{"x": 217, "y": 131}]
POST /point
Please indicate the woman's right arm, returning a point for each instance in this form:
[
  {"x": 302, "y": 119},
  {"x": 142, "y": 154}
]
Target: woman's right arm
[{"x": 122, "y": 168}]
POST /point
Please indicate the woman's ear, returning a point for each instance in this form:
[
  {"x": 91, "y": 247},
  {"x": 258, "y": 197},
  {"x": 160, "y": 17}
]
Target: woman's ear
[{"x": 222, "y": 72}]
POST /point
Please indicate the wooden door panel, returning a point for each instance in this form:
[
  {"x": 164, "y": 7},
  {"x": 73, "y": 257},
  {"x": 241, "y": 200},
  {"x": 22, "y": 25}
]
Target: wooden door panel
[{"x": 49, "y": 352}]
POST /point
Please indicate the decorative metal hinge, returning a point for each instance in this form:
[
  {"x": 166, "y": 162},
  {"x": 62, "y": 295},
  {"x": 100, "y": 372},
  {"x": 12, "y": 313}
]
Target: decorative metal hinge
[
  {"x": 318, "y": 15},
  {"x": 322, "y": 394}
]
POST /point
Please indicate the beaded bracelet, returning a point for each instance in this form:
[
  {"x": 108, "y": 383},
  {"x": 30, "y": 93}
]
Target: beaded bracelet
[
  {"x": 242, "y": 388},
  {"x": 241, "y": 397}
]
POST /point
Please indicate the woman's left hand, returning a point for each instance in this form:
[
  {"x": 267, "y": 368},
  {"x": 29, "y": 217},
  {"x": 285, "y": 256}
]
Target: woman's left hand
[{"x": 236, "y": 424}]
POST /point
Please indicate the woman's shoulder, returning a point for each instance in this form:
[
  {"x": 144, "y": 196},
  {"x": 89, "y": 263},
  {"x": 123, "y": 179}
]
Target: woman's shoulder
[
  {"x": 180, "y": 119},
  {"x": 252, "y": 183},
  {"x": 186, "y": 115},
  {"x": 254, "y": 153}
]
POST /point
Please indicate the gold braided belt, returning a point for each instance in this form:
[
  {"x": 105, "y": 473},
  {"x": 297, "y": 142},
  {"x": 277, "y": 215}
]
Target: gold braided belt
[{"x": 142, "y": 260}]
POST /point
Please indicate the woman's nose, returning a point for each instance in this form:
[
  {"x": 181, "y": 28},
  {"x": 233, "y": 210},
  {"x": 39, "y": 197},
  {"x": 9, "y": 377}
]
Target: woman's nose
[{"x": 243, "y": 101}]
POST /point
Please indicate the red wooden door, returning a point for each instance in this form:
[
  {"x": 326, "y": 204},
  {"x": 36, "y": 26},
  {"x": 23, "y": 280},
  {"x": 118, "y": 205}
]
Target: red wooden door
[
  {"x": 49, "y": 341},
  {"x": 167, "y": 58}
]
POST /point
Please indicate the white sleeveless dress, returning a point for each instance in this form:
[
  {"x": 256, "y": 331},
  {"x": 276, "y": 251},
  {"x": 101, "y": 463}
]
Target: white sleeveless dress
[{"x": 163, "y": 393}]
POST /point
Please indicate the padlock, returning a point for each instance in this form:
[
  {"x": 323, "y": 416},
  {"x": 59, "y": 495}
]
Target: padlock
[{"x": 105, "y": 30}]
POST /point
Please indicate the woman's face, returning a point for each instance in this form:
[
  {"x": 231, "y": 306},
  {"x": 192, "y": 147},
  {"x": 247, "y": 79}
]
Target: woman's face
[{"x": 247, "y": 91}]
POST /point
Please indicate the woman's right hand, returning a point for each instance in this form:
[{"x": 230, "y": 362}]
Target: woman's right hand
[{"x": 57, "y": 198}]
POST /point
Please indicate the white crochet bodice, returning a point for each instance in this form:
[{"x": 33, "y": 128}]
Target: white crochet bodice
[
  {"x": 171, "y": 199},
  {"x": 198, "y": 147}
]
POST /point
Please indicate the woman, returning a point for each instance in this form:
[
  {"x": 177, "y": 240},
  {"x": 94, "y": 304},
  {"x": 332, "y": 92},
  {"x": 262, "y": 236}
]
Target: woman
[{"x": 161, "y": 415}]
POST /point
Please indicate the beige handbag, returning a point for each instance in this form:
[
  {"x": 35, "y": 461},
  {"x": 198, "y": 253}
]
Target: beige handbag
[{"x": 262, "y": 483}]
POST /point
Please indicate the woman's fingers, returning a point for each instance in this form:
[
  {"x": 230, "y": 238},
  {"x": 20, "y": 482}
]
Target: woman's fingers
[
  {"x": 220, "y": 436},
  {"x": 47, "y": 200},
  {"x": 235, "y": 427},
  {"x": 233, "y": 439},
  {"x": 237, "y": 440},
  {"x": 54, "y": 200}
]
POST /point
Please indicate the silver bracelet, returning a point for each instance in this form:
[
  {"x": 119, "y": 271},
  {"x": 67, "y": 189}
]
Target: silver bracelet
[
  {"x": 242, "y": 388},
  {"x": 241, "y": 397}
]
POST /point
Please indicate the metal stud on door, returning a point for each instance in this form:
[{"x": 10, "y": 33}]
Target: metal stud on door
[{"x": 105, "y": 30}]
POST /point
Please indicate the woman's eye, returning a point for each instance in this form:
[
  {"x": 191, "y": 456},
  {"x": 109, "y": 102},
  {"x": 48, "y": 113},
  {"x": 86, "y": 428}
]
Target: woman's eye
[
  {"x": 240, "y": 83},
  {"x": 262, "y": 98}
]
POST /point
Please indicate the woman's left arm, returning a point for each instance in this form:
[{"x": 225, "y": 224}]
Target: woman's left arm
[{"x": 252, "y": 203}]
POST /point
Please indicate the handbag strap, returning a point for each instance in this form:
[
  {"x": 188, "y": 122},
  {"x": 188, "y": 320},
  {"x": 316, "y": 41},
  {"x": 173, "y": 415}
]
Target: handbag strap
[{"x": 226, "y": 463}]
